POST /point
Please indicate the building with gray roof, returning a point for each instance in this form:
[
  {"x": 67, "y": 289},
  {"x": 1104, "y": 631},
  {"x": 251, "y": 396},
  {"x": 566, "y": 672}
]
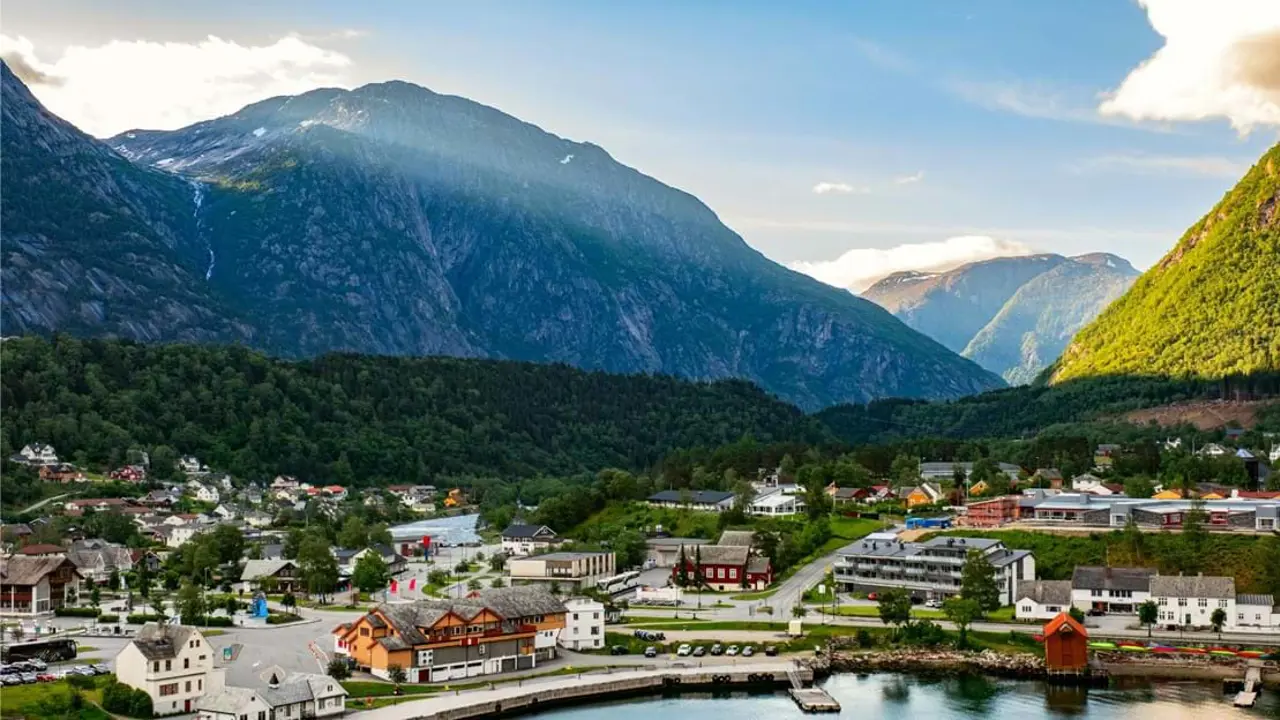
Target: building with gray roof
[{"x": 929, "y": 569}]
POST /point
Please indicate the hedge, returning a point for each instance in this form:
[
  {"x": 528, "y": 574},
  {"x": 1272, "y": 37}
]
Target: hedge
[
  {"x": 108, "y": 618},
  {"x": 212, "y": 621},
  {"x": 281, "y": 618},
  {"x": 139, "y": 619},
  {"x": 86, "y": 612},
  {"x": 124, "y": 700}
]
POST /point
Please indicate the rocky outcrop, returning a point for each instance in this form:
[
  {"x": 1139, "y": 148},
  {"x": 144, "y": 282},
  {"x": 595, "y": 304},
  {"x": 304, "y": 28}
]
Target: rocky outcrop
[{"x": 938, "y": 662}]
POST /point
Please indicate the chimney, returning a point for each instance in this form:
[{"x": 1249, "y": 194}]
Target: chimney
[{"x": 273, "y": 682}]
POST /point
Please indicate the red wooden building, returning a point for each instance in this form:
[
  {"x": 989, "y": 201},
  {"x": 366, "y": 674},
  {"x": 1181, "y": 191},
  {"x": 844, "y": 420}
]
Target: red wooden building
[{"x": 1066, "y": 644}]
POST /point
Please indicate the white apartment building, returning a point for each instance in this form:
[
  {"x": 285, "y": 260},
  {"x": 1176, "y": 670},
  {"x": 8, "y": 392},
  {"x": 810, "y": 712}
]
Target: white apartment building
[
  {"x": 519, "y": 540},
  {"x": 583, "y": 624},
  {"x": 567, "y": 570},
  {"x": 929, "y": 569},
  {"x": 1189, "y": 601},
  {"x": 776, "y": 504},
  {"x": 1110, "y": 590},
  {"x": 171, "y": 663}
]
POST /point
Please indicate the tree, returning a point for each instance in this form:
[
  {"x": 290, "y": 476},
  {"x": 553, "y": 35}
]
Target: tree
[
  {"x": 462, "y": 568},
  {"x": 228, "y": 543},
  {"x": 1148, "y": 613},
  {"x": 1076, "y": 614},
  {"x": 1194, "y": 539},
  {"x": 353, "y": 534},
  {"x": 682, "y": 569},
  {"x": 895, "y": 607},
  {"x": 370, "y": 573},
  {"x": 962, "y": 611},
  {"x": 497, "y": 583},
  {"x": 1134, "y": 540},
  {"x": 1138, "y": 486},
  {"x": 159, "y": 598},
  {"x": 231, "y": 605},
  {"x": 191, "y": 605},
  {"x": 338, "y": 669},
  {"x": 113, "y": 580},
  {"x": 396, "y": 674},
  {"x": 474, "y": 584},
  {"x": 17, "y": 632},
  {"x": 95, "y": 597},
  {"x": 497, "y": 562},
  {"x": 289, "y": 602},
  {"x": 380, "y": 534},
  {"x": 319, "y": 568},
  {"x": 799, "y": 611},
  {"x": 1217, "y": 619},
  {"x": 978, "y": 582},
  {"x": 905, "y": 469}
]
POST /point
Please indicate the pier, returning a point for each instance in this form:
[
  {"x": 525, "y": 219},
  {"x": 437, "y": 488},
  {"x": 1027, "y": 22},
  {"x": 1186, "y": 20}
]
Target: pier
[
  {"x": 533, "y": 696},
  {"x": 1248, "y": 694},
  {"x": 811, "y": 699}
]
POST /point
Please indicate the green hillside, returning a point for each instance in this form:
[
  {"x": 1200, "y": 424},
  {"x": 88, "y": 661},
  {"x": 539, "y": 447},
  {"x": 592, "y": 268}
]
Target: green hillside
[{"x": 1209, "y": 309}]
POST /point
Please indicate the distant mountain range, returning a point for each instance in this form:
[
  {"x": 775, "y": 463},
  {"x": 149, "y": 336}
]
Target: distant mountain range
[
  {"x": 393, "y": 220},
  {"x": 1210, "y": 309},
  {"x": 1012, "y": 315}
]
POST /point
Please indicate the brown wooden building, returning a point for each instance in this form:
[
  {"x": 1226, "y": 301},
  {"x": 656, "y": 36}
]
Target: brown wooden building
[{"x": 1066, "y": 644}]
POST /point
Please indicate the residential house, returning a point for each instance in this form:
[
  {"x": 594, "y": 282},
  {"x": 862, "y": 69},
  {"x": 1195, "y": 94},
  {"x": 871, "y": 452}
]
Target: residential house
[
  {"x": 42, "y": 550},
  {"x": 15, "y": 534},
  {"x": 1048, "y": 477},
  {"x": 129, "y": 474},
  {"x": 490, "y": 631},
  {"x": 276, "y": 694},
  {"x": 146, "y": 559},
  {"x": 567, "y": 570},
  {"x": 519, "y": 539},
  {"x": 1233, "y": 434},
  {"x": 37, "y": 585},
  {"x": 283, "y": 574},
  {"x": 164, "y": 497},
  {"x": 844, "y": 496},
  {"x": 992, "y": 512},
  {"x": 1042, "y": 599},
  {"x": 583, "y": 624},
  {"x": 737, "y": 538},
  {"x": 703, "y": 500},
  {"x": 1171, "y": 444},
  {"x": 257, "y": 519},
  {"x": 1104, "y": 456},
  {"x": 61, "y": 473},
  {"x": 182, "y": 534},
  {"x": 97, "y": 559},
  {"x": 923, "y": 494},
  {"x": 37, "y": 454},
  {"x": 334, "y": 492},
  {"x": 724, "y": 567},
  {"x": 1213, "y": 450},
  {"x": 96, "y": 504},
  {"x": 285, "y": 482},
  {"x": 776, "y": 504},
  {"x": 416, "y": 497},
  {"x": 1189, "y": 601},
  {"x": 929, "y": 569},
  {"x": 171, "y": 663},
  {"x": 879, "y": 494},
  {"x": 347, "y": 559},
  {"x": 1257, "y": 611},
  {"x": 1158, "y": 513},
  {"x": 204, "y": 492},
  {"x": 191, "y": 465},
  {"x": 224, "y": 512},
  {"x": 1110, "y": 589}
]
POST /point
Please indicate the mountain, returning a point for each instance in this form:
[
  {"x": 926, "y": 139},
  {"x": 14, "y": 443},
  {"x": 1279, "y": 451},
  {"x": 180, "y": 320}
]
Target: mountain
[
  {"x": 393, "y": 220},
  {"x": 1012, "y": 315},
  {"x": 92, "y": 243},
  {"x": 1210, "y": 308}
]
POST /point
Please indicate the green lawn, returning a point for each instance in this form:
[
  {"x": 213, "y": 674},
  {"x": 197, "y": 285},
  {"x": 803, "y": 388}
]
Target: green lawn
[
  {"x": 49, "y": 701},
  {"x": 760, "y": 595}
]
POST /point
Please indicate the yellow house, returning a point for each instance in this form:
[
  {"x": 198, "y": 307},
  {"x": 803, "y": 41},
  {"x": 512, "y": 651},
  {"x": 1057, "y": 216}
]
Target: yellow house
[
  {"x": 455, "y": 498},
  {"x": 979, "y": 488},
  {"x": 918, "y": 497},
  {"x": 1167, "y": 495},
  {"x": 1212, "y": 496}
]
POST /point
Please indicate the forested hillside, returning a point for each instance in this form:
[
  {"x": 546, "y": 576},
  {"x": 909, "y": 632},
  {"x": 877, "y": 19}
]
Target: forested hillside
[
  {"x": 364, "y": 420},
  {"x": 1210, "y": 308}
]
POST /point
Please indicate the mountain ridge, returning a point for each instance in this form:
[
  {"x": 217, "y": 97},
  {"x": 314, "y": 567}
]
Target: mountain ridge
[{"x": 393, "y": 220}]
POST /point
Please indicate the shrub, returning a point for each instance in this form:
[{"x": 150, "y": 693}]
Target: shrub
[
  {"x": 140, "y": 618},
  {"x": 212, "y": 621},
  {"x": 339, "y": 669},
  {"x": 864, "y": 638},
  {"x": 83, "y": 682},
  {"x": 282, "y": 618},
  {"x": 108, "y": 618},
  {"x": 76, "y": 612},
  {"x": 124, "y": 700},
  {"x": 924, "y": 632}
]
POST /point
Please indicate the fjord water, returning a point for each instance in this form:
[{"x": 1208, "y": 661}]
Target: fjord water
[{"x": 900, "y": 697}]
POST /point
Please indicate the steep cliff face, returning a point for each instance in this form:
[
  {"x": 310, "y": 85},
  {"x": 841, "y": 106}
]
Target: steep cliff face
[
  {"x": 1012, "y": 315},
  {"x": 94, "y": 244},
  {"x": 1210, "y": 309},
  {"x": 394, "y": 220}
]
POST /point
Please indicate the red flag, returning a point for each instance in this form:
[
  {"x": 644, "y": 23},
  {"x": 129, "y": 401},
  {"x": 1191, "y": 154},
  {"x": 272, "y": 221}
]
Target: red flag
[
  {"x": 426, "y": 541},
  {"x": 395, "y": 587},
  {"x": 413, "y": 583}
]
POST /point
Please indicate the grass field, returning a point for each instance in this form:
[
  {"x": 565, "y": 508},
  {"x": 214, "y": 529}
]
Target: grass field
[{"x": 47, "y": 701}]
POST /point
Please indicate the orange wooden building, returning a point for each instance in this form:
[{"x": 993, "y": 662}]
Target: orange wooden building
[{"x": 1066, "y": 644}]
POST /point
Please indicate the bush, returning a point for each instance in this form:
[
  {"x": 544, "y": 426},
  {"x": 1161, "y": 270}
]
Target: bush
[
  {"x": 87, "y": 612},
  {"x": 108, "y": 618},
  {"x": 339, "y": 669},
  {"x": 140, "y": 618},
  {"x": 923, "y": 632},
  {"x": 864, "y": 638},
  {"x": 212, "y": 621},
  {"x": 124, "y": 700},
  {"x": 282, "y": 618},
  {"x": 82, "y": 682}
]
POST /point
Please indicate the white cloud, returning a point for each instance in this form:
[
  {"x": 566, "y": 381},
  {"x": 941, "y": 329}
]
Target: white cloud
[
  {"x": 858, "y": 268},
  {"x": 1206, "y": 165},
  {"x": 1220, "y": 59},
  {"x": 829, "y": 188},
  {"x": 122, "y": 85},
  {"x": 909, "y": 179}
]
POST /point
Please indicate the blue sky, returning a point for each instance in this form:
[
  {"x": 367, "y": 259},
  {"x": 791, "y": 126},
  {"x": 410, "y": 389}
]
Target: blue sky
[{"x": 922, "y": 120}]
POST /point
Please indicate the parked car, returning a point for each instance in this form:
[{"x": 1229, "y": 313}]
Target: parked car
[
  {"x": 873, "y": 596},
  {"x": 717, "y": 649},
  {"x": 1097, "y": 612},
  {"x": 28, "y": 677},
  {"x": 685, "y": 649},
  {"x": 37, "y": 664},
  {"x": 933, "y": 604},
  {"x": 731, "y": 650},
  {"x": 651, "y": 652},
  {"x": 10, "y": 679},
  {"x": 699, "y": 651},
  {"x": 748, "y": 651},
  {"x": 100, "y": 669},
  {"x": 618, "y": 650},
  {"x": 46, "y": 677},
  {"x": 771, "y": 651}
]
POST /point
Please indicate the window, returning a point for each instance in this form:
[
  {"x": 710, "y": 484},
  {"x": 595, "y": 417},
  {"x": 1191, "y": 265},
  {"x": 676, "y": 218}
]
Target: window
[
  {"x": 155, "y": 666},
  {"x": 188, "y": 686},
  {"x": 262, "y": 715},
  {"x": 1026, "y": 609},
  {"x": 364, "y": 632},
  {"x": 199, "y": 684},
  {"x": 482, "y": 650},
  {"x": 186, "y": 663},
  {"x": 575, "y": 630},
  {"x": 1222, "y": 603},
  {"x": 575, "y": 616},
  {"x": 244, "y": 716},
  {"x": 169, "y": 689},
  {"x": 595, "y": 630},
  {"x": 1164, "y": 601},
  {"x": 1239, "y": 616},
  {"x": 168, "y": 665},
  {"x": 1203, "y": 602},
  {"x": 1182, "y": 602},
  {"x": 595, "y": 616}
]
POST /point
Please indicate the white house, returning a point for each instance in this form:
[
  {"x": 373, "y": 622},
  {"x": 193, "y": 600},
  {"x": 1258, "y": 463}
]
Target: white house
[
  {"x": 776, "y": 504},
  {"x": 1256, "y": 611},
  {"x": 190, "y": 465},
  {"x": 1275, "y": 453},
  {"x": 1213, "y": 450},
  {"x": 39, "y": 454},
  {"x": 182, "y": 534},
  {"x": 224, "y": 512},
  {"x": 1042, "y": 599},
  {"x": 257, "y": 519},
  {"x": 519, "y": 540},
  {"x": 276, "y": 694},
  {"x": 1110, "y": 590},
  {"x": 204, "y": 493},
  {"x": 1172, "y": 443},
  {"x": 704, "y": 500},
  {"x": 1190, "y": 600},
  {"x": 583, "y": 624},
  {"x": 171, "y": 663}
]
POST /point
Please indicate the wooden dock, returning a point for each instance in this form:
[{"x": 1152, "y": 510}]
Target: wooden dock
[
  {"x": 1248, "y": 694},
  {"x": 811, "y": 699}
]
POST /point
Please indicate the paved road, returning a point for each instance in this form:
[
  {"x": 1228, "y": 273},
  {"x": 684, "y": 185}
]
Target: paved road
[{"x": 42, "y": 503}]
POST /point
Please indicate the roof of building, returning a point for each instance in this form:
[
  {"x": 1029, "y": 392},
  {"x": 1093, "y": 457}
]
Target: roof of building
[
  {"x": 1193, "y": 586},
  {"x": 964, "y": 542},
  {"x": 757, "y": 565},
  {"x": 1065, "y": 622},
  {"x": 567, "y": 555},
  {"x": 1251, "y": 599},
  {"x": 527, "y": 531},
  {"x": 1045, "y": 592},
  {"x": 24, "y": 570},
  {"x": 280, "y": 687},
  {"x": 508, "y": 603},
  {"x": 1092, "y": 577},
  {"x": 260, "y": 568},
  {"x": 736, "y": 555},
  {"x": 161, "y": 642},
  {"x": 675, "y": 541},
  {"x": 742, "y": 538},
  {"x": 776, "y": 499},
  {"x": 696, "y": 497},
  {"x": 42, "y": 549},
  {"x": 230, "y": 700}
]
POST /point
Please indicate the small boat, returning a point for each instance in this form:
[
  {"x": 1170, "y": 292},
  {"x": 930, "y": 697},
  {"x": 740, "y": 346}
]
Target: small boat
[
  {"x": 1222, "y": 653},
  {"x": 1222, "y": 649},
  {"x": 1102, "y": 646},
  {"x": 1251, "y": 653},
  {"x": 1164, "y": 649},
  {"x": 1135, "y": 648},
  {"x": 1193, "y": 650}
]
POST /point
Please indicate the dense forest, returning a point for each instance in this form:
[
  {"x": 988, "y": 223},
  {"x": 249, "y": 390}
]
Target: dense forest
[{"x": 364, "y": 420}]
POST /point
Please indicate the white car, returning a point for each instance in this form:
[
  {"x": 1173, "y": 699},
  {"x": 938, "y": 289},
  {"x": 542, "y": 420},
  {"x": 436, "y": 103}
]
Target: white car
[
  {"x": 933, "y": 604},
  {"x": 733, "y": 650},
  {"x": 685, "y": 649}
]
